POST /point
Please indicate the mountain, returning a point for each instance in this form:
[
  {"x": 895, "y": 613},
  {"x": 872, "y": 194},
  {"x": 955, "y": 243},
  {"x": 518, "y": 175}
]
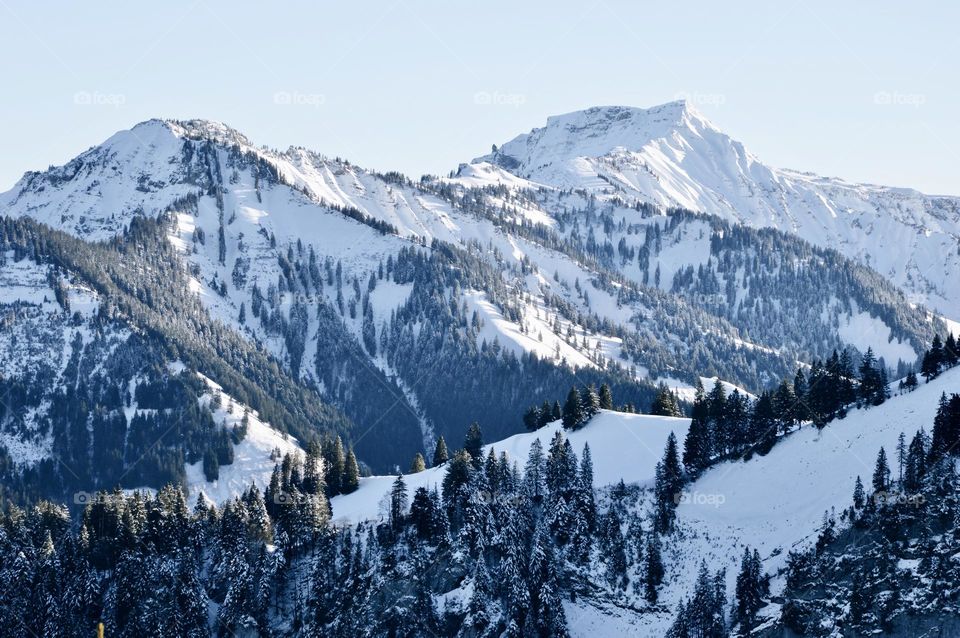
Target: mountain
[
  {"x": 385, "y": 297},
  {"x": 672, "y": 156},
  {"x": 107, "y": 360}
]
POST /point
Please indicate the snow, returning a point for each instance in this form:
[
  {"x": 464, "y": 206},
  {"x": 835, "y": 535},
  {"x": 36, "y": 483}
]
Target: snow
[
  {"x": 254, "y": 457},
  {"x": 773, "y": 503},
  {"x": 623, "y": 446},
  {"x": 508, "y": 333},
  {"x": 36, "y": 339},
  {"x": 26, "y": 452},
  {"x": 144, "y": 170},
  {"x": 687, "y": 392},
  {"x": 863, "y": 331}
]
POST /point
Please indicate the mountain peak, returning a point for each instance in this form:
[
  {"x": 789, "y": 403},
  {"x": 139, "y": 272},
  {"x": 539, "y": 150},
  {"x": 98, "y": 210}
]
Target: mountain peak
[
  {"x": 200, "y": 129},
  {"x": 676, "y": 112},
  {"x": 598, "y": 131}
]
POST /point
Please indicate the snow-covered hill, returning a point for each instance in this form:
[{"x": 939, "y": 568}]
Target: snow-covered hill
[
  {"x": 627, "y": 447},
  {"x": 773, "y": 503},
  {"x": 672, "y": 156},
  {"x": 63, "y": 363}
]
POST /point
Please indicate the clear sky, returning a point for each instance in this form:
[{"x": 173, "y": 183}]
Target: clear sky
[{"x": 865, "y": 91}]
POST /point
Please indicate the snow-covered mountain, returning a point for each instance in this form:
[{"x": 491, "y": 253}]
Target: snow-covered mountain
[
  {"x": 386, "y": 297},
  {"x": 672, "y": 156}
]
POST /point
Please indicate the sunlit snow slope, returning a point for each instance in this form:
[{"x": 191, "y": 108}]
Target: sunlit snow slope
[{"x": 624, "y": 446}]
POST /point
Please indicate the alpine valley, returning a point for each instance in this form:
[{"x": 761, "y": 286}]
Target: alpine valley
[{"x": 616, "y": 377}]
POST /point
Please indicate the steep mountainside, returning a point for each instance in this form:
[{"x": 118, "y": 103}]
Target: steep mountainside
[
  {"x": 103, "y": 357},
  {"x": 672, "y": 156}
]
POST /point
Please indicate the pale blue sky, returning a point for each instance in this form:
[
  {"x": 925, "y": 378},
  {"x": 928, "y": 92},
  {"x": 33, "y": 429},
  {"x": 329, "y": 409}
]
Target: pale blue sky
[{"x": 865, "y": 91}]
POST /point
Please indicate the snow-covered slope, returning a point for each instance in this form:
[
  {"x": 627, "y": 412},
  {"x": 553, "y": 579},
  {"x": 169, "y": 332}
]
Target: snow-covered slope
[
  {"x": 672, "y": 156},
  {"x": 626, "y": 446},
  {"x": 773, "y": 503},
  {"x": 54, "y": 346},
  {"x": 255, "y": 457},
  {"x": 38, "y": 336}
]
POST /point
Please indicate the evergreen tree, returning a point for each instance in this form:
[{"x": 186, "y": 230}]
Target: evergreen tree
[
  {"x": 932, "y": 359},
  {"x": 479, "y": 607},
  {"x": 572, "y": 410},
  {"x": 901, "y": 454},
  {"x": 587, "y": 503},
  {"x": 859, "y": 599},
  {"x": 335, "y": 461},
  {"x": 881, "y": 473},
  {"x": 946, "y": 429},
  {"x": 459, "y": 471},
  {"x": 703, "y": 616},
  {"x": 590, "y": 403},
  {"x": 556, "y": 413},
  {"x": 951, "y": 351},
  {"x": 418, "y": 464},
  {"x": 615, "y": 550},
  {"x": 653, "y": 569},
  {"x": 606, "y": 397},
  {"x": 532, "y": 418},
  {"x": 763, "y": 425},
  {"x": 915, "y": 465},
  {"x": 784, "y": 406},
  {"x": 749, "y": 590},
  {"x": 696, "y": 446},
  {"x": 398, "y": 502},
  {"x": 859, "y": 497},
  {"x": 801, "y": 410},
  {"x": 440, "y": 454},
  {"x": 910, "y": 383},
  {"x": 351, "y": 474},
  {"x": 473, "y": 443},
  {"x": 665, "y": 403},
  {"x": 534, "y": 473},
  {"x": 668, "y": 486}
]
